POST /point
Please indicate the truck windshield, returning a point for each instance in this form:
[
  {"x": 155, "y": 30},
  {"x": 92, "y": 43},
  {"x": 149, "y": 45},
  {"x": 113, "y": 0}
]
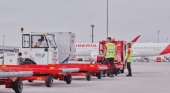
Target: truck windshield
[
  {"x": 40, "y": 41},
  {"x": 51, "y": 39}
]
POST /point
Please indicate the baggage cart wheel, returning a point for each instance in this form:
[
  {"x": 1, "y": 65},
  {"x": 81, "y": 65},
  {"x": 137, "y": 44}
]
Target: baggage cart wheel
[
  {"x": 118, "y": 71},
  {"x": 96, "y": 74},
  {"x": 99, "y": 75},
  {"x": 108, "y": 73},
  {"x": 122, "y": 71},
  {"x": 30, "y": 80},
  {"x": 115, "y": 72},
  {"x": 68, "y": 79},
  {"x": 49, "y": 81},
  {"x": 18, "y": 86},
  {"x": 88, "y": 76}
]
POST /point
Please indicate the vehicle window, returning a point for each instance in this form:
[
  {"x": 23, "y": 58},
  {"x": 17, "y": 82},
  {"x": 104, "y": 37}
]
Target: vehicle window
[
  {"x": 51, "y": 41},
  {"x": 26, "y": 41},
  {"x": 39, "y": 41}
]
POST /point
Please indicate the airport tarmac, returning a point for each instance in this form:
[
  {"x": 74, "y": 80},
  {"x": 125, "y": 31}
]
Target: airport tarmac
[{"x": 148, "y": 77}]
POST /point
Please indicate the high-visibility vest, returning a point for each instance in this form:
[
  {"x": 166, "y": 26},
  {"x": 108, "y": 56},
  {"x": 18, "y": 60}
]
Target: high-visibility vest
[
  {"x": 110, "y": 53},
  {"x": 130, "y": 56}
]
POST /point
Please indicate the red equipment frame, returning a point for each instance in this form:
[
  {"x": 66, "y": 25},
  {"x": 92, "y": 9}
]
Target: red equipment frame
[
  {"x": 15, "y": 82},
  {"x": 119, "y": 65},
  {"x": 87, "y": 69},
  {"x": 40, "y": 72}
]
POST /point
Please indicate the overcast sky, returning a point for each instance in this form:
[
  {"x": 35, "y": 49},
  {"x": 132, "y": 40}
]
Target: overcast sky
[{"x": 127, "y": 19}]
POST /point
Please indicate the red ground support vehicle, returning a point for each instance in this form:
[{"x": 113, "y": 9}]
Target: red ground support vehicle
[
  {"x": 47, "y": 73},
  {"x": 119, "y": 64},
  {"x": 12, "y": 79},
  {"x": 158, "y": 59},
  {"x": 87, "y": 69}
]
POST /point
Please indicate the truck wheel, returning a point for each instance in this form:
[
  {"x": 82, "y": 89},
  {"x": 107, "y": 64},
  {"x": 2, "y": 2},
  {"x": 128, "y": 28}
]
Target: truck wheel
[
  {"x": 49, "y": 81},
  {"x": 18, "y": 86},
  {"x": 27, "y": 62},
  {"x": 30, "y": 80},
  {"x": 99, "y": 75},
  {"x": 88, "y": 76},
  {"x": 68, "y": 79},
  {"x": 108, "y": 73}
]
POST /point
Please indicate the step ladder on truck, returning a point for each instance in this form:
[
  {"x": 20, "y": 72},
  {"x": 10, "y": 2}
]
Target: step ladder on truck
[
  {"x": 119, "y": 63},
  {"x": 87, "y": 69},
  {"x": 40, "y": 55}
]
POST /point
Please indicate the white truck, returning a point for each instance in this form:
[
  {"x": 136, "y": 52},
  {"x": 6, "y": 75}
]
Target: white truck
[{"x": 36, "y": 48}]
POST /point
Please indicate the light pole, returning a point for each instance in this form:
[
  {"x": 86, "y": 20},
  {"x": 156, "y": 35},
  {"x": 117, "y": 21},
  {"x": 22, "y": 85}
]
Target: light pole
[
  {"x": 167, "y": 39},
  {"x": 3, "y": 43},
  {"x": 92, "y": 32},
  {"x": 3, "y": 50},
  {"x": 107, "y": 19},
  {"x": 158, "y": 36}
]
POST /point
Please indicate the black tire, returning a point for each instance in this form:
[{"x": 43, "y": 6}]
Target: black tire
[
  {"x": 18, "y": 86},
  {"x": 27, "y": 62},
  {"x": 49, "y": 81},
  {"x": 118, "y": 71},
  {"x": 122, "y": 71},
  {"x": 30, "y": 80},
  {"x": 68, "y": 79},
  {"x": 115, "y": 72},
  {"x": 96, "y": 74},
  {"x": 108, "y": 73},
  {"x": 99, "y": 75},
  {"x": 88, "y": 76}
]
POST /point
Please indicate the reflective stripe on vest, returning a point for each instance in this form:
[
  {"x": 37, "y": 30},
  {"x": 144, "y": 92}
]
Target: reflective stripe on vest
[
  {"x": 130, "y": 56},
  {"x": 110, "y": 50}
]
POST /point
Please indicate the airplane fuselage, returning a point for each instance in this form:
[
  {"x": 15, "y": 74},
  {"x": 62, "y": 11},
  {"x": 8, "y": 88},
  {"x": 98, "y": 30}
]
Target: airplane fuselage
[{"x": 139, "y": 49}]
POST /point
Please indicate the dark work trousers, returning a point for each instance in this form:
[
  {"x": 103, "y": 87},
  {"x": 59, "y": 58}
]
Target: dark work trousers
[
  {"x": 129, "y": 68},
  {"x": 111, "y": 60}
]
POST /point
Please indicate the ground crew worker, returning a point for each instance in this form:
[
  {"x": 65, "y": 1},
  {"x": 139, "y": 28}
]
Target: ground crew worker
[
  {"x": 109, "y": 56},
  {"x": 128, "y": 59},
  {"x": 41, "y": 43},
  {"x": 37, "y": 43}
]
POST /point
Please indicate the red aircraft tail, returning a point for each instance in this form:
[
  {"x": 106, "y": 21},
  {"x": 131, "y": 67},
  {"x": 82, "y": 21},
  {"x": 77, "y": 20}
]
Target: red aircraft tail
[{"x": 135, "y": 39}]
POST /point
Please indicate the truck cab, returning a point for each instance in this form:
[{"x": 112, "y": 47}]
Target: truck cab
[{"x": 48, "y": 48}]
